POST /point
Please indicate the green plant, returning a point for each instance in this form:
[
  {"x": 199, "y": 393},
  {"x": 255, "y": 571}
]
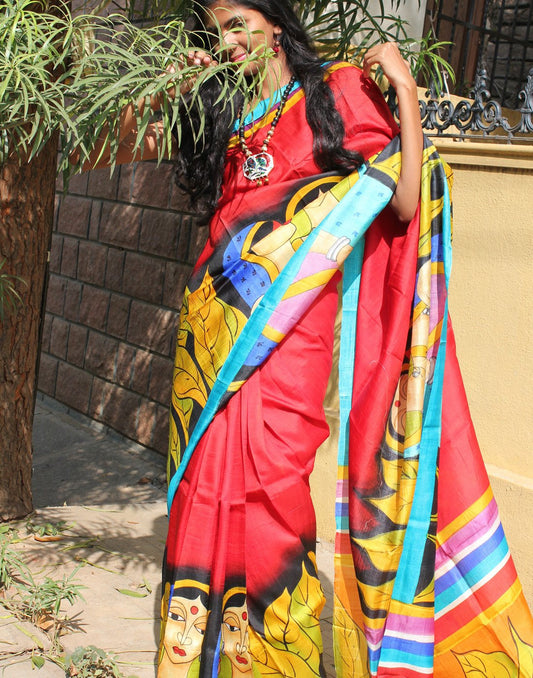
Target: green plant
[
  {"x": 345, "y": 30},
  {"x": 41, "y": 602},
  {"x": 341, "y": 30},
  {"x": 91, "y": 662},
  {"x": 74, "y": 75},
  {"x": 47, "y": 529},
  {"x": 12, "y": 567},
  {"x": 426, "y": 61},
  {"x": 33, "y": 60}
]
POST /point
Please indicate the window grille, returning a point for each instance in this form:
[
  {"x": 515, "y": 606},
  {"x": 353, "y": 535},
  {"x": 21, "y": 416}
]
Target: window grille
[
  {"x": 492, "y": 57},
  {"x": 494, "y": 35}
]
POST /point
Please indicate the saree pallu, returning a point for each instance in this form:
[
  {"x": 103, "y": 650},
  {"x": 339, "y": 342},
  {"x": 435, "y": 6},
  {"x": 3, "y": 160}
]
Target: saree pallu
[{"x": 424, "y": 584}]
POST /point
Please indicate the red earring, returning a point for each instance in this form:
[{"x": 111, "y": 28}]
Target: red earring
[{"x": 276, "y": 46}]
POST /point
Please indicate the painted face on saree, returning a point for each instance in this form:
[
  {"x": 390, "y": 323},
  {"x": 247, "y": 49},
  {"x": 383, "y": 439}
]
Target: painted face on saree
[
  {"x": 185, "y": 629},
  {"x": 235, "y": 639}
]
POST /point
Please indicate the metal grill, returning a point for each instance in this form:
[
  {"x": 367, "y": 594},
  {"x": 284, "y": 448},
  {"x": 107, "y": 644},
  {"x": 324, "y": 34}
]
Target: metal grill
[{"x": 493, "y": 35}]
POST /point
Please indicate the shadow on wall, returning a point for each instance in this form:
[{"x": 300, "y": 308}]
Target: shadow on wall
[{"x": 123, "y": 248}]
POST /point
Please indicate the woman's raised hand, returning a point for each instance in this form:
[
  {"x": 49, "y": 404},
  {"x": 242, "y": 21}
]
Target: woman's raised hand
[
  {"x": 199, "y": 58},
  {"x": 195, "y": 58},
  {"x": 395, "y": 68}
]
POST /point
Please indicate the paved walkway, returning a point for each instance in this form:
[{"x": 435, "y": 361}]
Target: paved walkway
[{"x": 110, "y": 494}]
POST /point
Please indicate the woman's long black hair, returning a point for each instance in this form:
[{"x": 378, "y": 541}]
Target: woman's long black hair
[{"x": 201, "y": 163}]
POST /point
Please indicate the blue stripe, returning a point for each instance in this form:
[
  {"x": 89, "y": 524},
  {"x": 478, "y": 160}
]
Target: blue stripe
[
  {"x": 416, "y": 648},
  {"x": 467, "y": 564},
  {"x": 341, "y": 508},
  {"x": 471, "y": 578},
  {"x": 264, "y": 106},
  {"x": 412, "y": 452},
  {"x": 397, "y": 657},
  {"x": 216, "y": 658}
]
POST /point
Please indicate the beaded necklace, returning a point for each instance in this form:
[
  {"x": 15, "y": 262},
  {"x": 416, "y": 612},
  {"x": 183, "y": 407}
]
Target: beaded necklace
[{"x": 257, "y": 166}]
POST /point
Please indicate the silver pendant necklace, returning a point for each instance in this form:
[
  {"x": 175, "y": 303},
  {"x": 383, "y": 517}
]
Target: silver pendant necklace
[{"x": 257, "y": 166}]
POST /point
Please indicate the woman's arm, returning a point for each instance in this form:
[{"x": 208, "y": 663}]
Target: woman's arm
[
  {"x": 127, "y": 136},
  {"x": 405, "y": 199},
  {"x": 101, "y": 153}
]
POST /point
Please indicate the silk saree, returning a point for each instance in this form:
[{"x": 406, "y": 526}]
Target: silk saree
[{"x": 424, "y": 583}]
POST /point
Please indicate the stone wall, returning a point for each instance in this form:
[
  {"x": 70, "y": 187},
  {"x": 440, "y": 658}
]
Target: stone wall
[{"x": 123, "y": 247}]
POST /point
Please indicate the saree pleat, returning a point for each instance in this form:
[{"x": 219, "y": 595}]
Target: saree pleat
[
  {"x": 424, "y": 584},
  {"x": 244, "y": 506}
]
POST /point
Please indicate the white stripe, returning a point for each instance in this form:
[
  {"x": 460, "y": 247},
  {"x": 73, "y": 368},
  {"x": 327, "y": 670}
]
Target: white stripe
[
  {"x": 375, "y": 646},
  {"x": 450, "y": 563},
  {"x": 474, "y": 588},
  {"x": 416, "y": 638}
]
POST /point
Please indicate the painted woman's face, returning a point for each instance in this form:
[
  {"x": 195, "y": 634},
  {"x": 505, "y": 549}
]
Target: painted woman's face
[
  {"x": 244, "y": 32},
  {"x": 185, "y": 629},
  {"x": 235, "y": 638}
]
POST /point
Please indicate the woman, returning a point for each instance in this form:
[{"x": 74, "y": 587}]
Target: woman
[
  {"x": 247, "y": 414},
  {"x": 257, "y": 530}
]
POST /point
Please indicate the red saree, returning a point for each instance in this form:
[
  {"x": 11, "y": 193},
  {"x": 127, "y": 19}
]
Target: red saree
[{"x": 241, "y": 595}]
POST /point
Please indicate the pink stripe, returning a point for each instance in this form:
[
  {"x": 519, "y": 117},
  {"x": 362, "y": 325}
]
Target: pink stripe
[
  {"x": 288, "y": 310},
  {"x": 374, "y": 636},
  {"x": 342, "y": 489},
  {"x": 468, "y": 534},
  {"x": 413, "y": 626},
  {"x": 314, "y": 262}
]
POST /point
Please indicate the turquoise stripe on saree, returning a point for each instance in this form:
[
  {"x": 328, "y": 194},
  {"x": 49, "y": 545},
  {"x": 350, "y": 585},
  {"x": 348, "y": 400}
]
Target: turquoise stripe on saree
[{"x": 420, "y": 516}]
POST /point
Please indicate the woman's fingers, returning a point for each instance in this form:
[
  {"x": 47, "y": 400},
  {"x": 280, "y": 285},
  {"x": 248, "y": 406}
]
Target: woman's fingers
[
  {"x": 388, "y": 56},
  {"x": 199, "y": 58},
  {"x": 192, "y": 59},
  {"x": 195, "y": 58}
]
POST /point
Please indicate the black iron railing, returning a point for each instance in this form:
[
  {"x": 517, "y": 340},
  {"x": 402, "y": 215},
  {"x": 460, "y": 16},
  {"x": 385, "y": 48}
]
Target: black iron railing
[{"x": 481, "y": 117}]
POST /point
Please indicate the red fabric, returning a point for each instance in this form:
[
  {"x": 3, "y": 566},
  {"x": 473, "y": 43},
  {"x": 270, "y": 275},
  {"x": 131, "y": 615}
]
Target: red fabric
[
  {"x": 243, "y": 511},
  {"x": 369, "y": 125}
]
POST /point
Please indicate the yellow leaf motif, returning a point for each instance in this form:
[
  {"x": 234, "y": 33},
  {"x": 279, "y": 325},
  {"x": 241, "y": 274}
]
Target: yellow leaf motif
[
  {"x": 183, "y": 408},
  {"x": 477, "y": 664},
  {"x": 215, "y": 326},
  {"x": 349, "y": 645},
  {"x": 174, "y": 451},
  {"x": 525, "y": 655},
  {"x": 384, "y": 549},
  {"x": 187, "y": 380},
  {"x": 292, "y": 645}
]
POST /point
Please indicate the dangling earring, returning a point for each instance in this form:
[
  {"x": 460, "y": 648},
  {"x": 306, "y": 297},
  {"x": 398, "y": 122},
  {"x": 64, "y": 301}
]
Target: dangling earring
[{"x": 276, "y": 45}]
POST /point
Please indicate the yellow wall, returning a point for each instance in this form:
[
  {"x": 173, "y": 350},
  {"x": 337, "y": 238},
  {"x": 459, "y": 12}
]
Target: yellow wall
[{"x": 491, "y": 305}]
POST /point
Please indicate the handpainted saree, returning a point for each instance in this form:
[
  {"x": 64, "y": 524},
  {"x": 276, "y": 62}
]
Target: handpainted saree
[{"x": 424, "y": 581}]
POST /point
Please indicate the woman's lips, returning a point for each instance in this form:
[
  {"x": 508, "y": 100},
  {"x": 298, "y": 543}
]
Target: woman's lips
[
  {"x": 240, "y": 56},
  {"x": 179, "y": 650},
  {"x": 241, "y": 660}
]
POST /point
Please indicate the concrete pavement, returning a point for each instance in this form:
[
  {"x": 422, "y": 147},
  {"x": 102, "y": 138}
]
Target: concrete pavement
[{"x": 110, "y": 494}]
